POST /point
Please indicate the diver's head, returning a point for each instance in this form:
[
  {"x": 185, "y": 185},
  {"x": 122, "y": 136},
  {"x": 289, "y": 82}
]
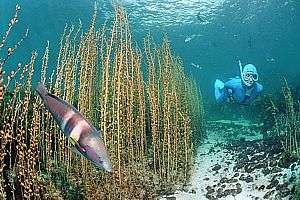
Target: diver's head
[{"x": 249, "y": 75}]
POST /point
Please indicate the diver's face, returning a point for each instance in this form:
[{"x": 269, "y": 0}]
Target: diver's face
[{"x": 250, "y": 78}]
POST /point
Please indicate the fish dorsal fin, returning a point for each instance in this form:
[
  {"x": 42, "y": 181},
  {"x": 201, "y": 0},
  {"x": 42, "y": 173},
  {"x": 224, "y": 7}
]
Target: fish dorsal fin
[
  {"x": 58, "y": 99},
  {"x": 63, "y": 102}
]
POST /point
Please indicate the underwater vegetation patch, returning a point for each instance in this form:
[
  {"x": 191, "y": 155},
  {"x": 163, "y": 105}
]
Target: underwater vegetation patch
[
  {"x": 284, "y": 122},
  {"x": 150, "y": 128},
  {"x": 282, "y": 119}
]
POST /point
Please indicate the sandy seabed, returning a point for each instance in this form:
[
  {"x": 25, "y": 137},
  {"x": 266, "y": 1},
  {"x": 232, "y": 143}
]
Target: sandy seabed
[{"x": 236, "y": 163}]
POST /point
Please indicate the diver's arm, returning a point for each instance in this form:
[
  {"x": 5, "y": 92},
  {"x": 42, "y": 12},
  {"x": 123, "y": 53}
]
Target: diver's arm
[
  {"x": 260, "y": 88},
  {"x": 231, "y": 84},
  {"x": 230, "y": 87}
]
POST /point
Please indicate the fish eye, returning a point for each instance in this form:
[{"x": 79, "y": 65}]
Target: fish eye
[{"x": 100, "y": 160}]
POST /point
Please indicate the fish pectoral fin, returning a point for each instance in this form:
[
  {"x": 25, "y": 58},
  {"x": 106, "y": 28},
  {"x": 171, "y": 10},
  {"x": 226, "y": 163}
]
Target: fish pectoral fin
[
  {"x": 75, "y": 135},
  {"x": 76, "y": 146},
  {"x": 73, "y": 141}
]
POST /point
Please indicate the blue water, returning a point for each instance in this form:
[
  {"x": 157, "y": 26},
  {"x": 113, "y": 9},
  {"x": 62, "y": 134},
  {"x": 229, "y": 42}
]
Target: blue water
[{"x": 209, "y": 35}]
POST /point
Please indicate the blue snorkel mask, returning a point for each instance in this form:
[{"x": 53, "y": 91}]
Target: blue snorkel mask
[{"x": 249, "y": 74}]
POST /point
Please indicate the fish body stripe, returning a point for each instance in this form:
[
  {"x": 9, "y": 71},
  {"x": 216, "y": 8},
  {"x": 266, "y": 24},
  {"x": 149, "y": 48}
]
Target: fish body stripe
[
  {"x": 1, "y": 92},
  {"x": 66, "y": 118},
  {"x": 57, "y": 109},
  {"x": 71, "y": 123},
  {"x": 78, "y": 129}
]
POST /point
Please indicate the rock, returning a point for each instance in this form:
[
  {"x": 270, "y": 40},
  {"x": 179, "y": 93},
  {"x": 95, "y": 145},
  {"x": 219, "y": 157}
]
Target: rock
[
  {"x": 224, "y": 180},
  {"x": 227, "y": 162},
  {"x": 229, "y": 192},
  {"x": 285, "y": 192},
  {"x": 211, "y": 150},
  {"x": 171, "y": 198},
  {"x": 210, "y": 197},
  {"x": 232, "y": 192},
  {"x": 293, "y": 167},
  {"x": 293, "y": 189},
  {"x": 219, "y": 190},
  {"x": 266, "y": 171},
  {"x": 242, "y": 177},
  {"x": 247, "y": 179},
  {"x": 238, "y": 166},
  {"x": 249, "y": 168},
  {"x": 262, "y": 187},
  {"x": 233, "y": 180},
  {"x": 268, "y": 194},
  {"x": 210, "y": 190},
  {"x": 286, "y": 160},
  {"x": 259, "y": 158},
  {"x": 273, "y": 163},
  {"x": 292, "y": 179},
  {"x": 239, "y": 190},
  {"x": 274, "y": 183},
  {"x": 243, "y": 159},
  {"x": 276, "y": 170},
  {"x": 220, "y": 193},
  {"x": 216, "y": 167},
  {"x": 283, "y": 189}
]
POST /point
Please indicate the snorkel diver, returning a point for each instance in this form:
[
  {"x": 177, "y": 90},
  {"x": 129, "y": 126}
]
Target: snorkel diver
[{"x": 243, "y": 90}]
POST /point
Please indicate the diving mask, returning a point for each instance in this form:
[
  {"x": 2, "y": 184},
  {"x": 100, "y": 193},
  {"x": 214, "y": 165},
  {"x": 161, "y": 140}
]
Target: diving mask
[
  {"x": 249, "y": 74},
  {"x": 250, "y": 78}
]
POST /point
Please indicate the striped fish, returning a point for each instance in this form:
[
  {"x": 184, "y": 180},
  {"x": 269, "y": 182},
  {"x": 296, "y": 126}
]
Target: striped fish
[{"x": 84, "y": 137}]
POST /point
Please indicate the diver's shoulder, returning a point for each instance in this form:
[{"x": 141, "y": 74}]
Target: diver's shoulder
[
  {"x": 259, "y": 87},
  {"x": 234, "y": 81}
]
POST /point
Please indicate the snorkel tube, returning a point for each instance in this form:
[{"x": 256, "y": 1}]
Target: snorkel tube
[
  {"x": 241, "y": 69},
  {"x": 242, "y": 74}
]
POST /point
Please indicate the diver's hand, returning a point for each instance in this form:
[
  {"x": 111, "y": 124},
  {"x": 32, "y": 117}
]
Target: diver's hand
[{"x": 230, "y": 97}]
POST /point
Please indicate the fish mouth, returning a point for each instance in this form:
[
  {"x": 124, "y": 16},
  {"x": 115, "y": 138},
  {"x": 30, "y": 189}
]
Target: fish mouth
[
  {"x": 106, "y": 164},
  {"x": 107, "y": 167},
  {"x": 103, "y": 165}
]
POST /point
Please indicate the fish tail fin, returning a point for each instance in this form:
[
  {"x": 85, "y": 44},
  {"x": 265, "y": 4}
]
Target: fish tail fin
[{"x": 41, "y": 90}]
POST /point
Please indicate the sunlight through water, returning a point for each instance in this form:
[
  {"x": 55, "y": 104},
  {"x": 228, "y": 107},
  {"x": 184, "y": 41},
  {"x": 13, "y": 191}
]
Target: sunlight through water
[{"x": 152, "y": 13}]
